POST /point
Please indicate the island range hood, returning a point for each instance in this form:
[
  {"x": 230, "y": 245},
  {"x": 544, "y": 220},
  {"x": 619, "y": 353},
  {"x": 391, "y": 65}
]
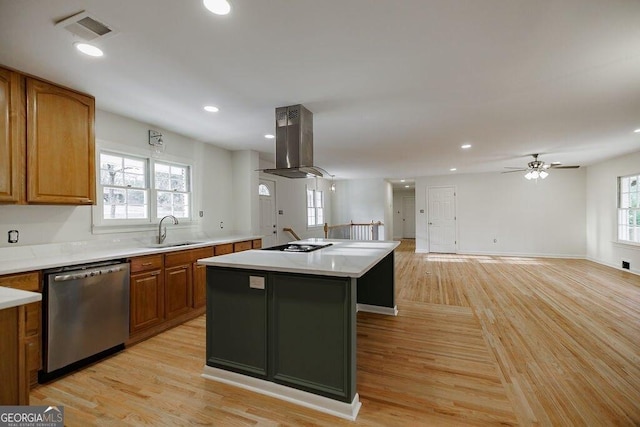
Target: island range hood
[{"x": 294, "y": 143}]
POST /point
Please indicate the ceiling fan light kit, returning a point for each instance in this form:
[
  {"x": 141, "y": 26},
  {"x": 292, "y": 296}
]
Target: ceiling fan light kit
[{"x": 538, "y": 169}]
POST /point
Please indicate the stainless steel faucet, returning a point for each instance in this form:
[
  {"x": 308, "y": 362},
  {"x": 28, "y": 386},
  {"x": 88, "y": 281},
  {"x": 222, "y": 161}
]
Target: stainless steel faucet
[{"x": 163, "y": 235}]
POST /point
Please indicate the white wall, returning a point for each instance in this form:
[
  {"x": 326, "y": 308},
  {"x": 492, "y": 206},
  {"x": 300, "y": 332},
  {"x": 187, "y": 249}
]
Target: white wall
[
  {"x": 212, "y": 169},
  {"x": 245, "y": 191},
  {"x": 398, "y": 210},
  {"x": 602, "y": 196},
  {"x": 363, "y": 201},
  {"x": 544, "y": 218}
]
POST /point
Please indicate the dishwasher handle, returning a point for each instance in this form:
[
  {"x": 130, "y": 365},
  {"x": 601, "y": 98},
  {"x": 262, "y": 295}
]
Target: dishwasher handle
[{"x": 89, "y": 273}]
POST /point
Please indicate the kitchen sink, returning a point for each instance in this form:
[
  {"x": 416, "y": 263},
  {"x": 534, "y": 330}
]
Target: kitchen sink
[{"x": 173, "y": 244}]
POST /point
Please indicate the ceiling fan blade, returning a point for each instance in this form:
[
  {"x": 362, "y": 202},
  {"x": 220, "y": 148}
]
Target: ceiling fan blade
[
  {"x": 564, "y": 167},
  {"x": 514, "y": 167},
  {"x": 517, "y": 170}
]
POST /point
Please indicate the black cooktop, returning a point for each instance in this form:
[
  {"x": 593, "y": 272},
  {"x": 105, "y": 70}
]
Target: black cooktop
[{"x": 297, "y": 247}]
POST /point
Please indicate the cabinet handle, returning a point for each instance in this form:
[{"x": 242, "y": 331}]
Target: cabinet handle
[
  {"x": 155, "y": 273},
  {"x": 144, "y": 264}
]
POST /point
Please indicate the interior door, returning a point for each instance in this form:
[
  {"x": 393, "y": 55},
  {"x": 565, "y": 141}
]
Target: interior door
[
  {"x": 409, "y": 217},
  {"x": 442, "y": 219},
  {"x": 268, "y": 226}
]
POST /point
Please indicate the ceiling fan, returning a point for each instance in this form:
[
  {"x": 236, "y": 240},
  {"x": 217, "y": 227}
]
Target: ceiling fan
[{"x": 538, "y": 169}]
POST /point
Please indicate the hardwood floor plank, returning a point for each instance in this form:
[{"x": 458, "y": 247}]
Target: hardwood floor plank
[{"x": 479, "y": 340}]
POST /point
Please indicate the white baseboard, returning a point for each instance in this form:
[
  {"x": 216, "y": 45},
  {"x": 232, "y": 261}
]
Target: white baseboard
[
  {"x": 507, "y": 254},
  {"x": 344, "y": 410},
  {"x": 617, "y": 267},
  {"x": 389, "y": 311}
]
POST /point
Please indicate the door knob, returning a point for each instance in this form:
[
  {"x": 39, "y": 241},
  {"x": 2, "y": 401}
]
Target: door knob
[{"x": 430, "y": 223}]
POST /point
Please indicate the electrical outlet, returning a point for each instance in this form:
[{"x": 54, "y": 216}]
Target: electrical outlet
[
  {"x": 13, "y": 236},
  {"x": 201, "y": 213}
]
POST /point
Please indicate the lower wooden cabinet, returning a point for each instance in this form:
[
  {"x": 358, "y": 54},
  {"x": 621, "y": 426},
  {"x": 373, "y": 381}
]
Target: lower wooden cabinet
[
  {"x": 178, "y": 282},
  {"x": 199, "y": 285},
  {"x": 28, "y": 319},
  {"x": 166, "y": 290},
  {"x": 146, "y": 300}
]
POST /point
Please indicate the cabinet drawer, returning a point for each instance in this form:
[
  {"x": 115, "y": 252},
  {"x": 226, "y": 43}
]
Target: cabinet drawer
[
  {"x": 256, "y": 244},
  {"x": 144, "y": 263},
  {"x": 187, "y": 256},
  {"x": 224, "y": 249},
  {"x": 242, "y": 246},
  {"x": 26, "y": 282}
]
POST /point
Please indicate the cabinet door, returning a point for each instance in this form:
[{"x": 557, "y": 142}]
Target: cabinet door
[
  {"x": 177, "y": 283},
  {"x": 147, "y": 300},
  {"x": 237, "y": 321},
  {"x": 10, "y": 363},
  {"x": 199, "y": 285},
  {"x": 60, "y": 145},
  {"x": 12, "y": 137}
]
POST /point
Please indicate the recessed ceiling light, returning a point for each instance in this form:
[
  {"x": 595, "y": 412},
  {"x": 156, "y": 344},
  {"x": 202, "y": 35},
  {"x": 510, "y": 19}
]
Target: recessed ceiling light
[
  {"x": 211, "y": 109},
  {"x": 407, "y": 186},
  {"x": 219, "y": 7},
  {"x": 269, "y": 136},
  {"x": 89, "y": 49},
  {"x": 465, "y": 146},
  {"x": 637, "y": 131},
  {"x": 453, "y": 169},
  {"x": 402, "y": 180}
]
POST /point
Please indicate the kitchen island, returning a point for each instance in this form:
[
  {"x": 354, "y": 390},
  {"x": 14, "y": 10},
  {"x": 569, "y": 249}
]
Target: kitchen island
[{"x": 284, "y": 323}]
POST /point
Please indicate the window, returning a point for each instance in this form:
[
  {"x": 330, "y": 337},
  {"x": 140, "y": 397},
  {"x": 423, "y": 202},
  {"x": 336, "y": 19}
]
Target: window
[
  {"x": 315, "y": 208},
  {"x": 125, "y": 189},
  {"x": 128, "y": 184},
  {"x": 263, "y": 190},
  {"x": 172, "y": 190},
  {"x": 629, "y": 208}
]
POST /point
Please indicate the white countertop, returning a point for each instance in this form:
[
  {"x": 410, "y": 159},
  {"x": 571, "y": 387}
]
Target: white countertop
[
  {"x": 39, "y": 257},
  {"x": 344, "y": 258},
  {"x": 10, "y": 297}
]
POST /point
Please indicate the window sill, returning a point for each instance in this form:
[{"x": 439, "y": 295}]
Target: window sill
[{"x": 629, "y": 245}]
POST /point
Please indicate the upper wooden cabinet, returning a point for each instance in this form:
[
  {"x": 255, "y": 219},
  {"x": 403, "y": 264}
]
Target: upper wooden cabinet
[
  {"x": 12, "y": 136},
  {"x": 60, "y": 145},
  {"x": 47, "y": 142}
]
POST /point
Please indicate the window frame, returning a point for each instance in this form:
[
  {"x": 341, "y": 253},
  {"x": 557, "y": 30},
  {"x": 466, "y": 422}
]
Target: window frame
[
  {"x": 188, "y": 192},
  {"x": 316, "y": 209},
  {"x": 626, "y": 211},
  {"x": 106, "y": 225},
  {"x": 100, "y": 190}
]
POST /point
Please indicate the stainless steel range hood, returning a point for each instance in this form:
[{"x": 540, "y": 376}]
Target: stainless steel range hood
[{"x": 294, "y": 143}]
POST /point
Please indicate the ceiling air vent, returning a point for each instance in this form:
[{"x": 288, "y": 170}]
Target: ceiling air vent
[{"x": 86, "y": 27}]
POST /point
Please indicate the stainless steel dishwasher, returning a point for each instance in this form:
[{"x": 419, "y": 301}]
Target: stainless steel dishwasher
[{"x": 86, "y": 315}]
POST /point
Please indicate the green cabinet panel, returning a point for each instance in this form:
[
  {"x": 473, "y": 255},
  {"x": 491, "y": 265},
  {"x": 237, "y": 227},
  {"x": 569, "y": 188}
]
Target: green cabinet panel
[
  {"x": 377, "y": 286},
  {"x": 312, "y": 334},
  {"x": 236, "y": 322}
]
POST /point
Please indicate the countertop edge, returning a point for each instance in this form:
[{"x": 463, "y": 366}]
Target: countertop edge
[
  {"x": 10, "y": 297},
  {"x": 219, "y": 261},
  {"x": 63, "y": 260}
]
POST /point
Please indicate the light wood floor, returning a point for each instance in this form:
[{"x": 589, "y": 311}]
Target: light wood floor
[{"x": 479, "y": 340}]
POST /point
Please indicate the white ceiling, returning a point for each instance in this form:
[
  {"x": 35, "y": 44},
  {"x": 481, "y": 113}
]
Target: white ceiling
[{"x": 395, "y": 86}]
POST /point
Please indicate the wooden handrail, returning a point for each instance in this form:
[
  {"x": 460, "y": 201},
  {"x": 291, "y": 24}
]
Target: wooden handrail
[{"x": 293, "y": 233}]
